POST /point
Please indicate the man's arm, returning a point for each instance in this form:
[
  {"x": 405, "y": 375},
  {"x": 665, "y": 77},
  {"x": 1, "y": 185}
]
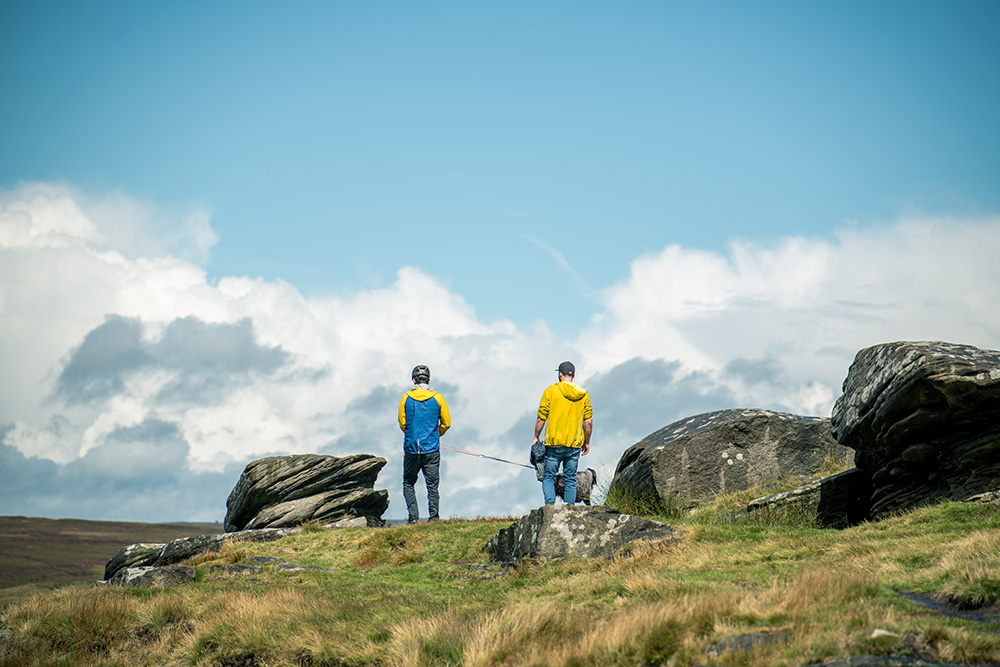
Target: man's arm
[
  {"x": 444, "y": 416},
  {"x": 539, "y": 425},
  {"x": 543, "y": 414},
  {"x": 588, "y": 428},
  {"x": 402, "y": 414}
]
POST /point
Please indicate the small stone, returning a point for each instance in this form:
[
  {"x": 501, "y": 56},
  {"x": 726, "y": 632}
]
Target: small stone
[{"x": 879, "y": 632}]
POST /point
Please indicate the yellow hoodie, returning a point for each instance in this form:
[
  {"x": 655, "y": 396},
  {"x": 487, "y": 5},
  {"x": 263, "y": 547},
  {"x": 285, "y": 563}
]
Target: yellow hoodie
[{"x": 564, "y": 407}]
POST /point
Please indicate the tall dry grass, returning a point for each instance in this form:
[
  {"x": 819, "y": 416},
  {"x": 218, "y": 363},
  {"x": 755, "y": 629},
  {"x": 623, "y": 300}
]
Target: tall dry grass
[{"x": 425, "y": 595}]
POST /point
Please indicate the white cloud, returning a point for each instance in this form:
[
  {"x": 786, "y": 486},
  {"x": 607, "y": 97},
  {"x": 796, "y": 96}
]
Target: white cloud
[
  {"x": 58, "y": 215},
  {"x": 112, "y": 334},
  {"x": 93, "y": 335},
  {"x": 808, "y": 304}
]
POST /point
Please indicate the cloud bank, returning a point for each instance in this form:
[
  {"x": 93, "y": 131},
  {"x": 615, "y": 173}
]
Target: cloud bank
[{"x": 137, "y": 389}]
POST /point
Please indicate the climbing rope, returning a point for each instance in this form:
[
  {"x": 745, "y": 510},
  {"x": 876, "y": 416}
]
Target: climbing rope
[{"x": 485, "y": 456}]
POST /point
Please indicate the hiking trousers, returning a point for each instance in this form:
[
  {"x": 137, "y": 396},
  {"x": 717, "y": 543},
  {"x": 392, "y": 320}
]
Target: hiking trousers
[{"x": 430, "y": 465}]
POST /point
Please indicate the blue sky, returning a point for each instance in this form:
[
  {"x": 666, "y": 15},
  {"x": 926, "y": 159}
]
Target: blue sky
[{"x": 694, "y": 188}]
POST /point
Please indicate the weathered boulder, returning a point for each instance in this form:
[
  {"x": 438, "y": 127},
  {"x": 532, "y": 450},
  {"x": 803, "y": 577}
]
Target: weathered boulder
[
  {"x": 330, "y": 506},
  {"x": 183, "y": 548},
  {"x": 176, "y": 551},
  {"x": 283, "y": 491},
  {"x": 924, "y": 419},
  {"x": 133, "y": 555},
  {"x": 573, "y": 531},
  {"x": 835, "y": 502},
  {"x": 233, "y": 569},
  {"x": 154, "y": 577},
  {"x": 992, "y": 497},
  {"x": 724, "y": 451},
  {"x": 349, "y": 522}
]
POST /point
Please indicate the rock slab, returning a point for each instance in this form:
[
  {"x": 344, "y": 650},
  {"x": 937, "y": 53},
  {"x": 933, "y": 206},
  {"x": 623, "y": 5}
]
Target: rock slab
[
  {"x": 838, "y": 501},
  {"x": 145, "y": 555},
  {"x": 148, "y": 576},
  {"x": 924, "y": 419},
  {"x": 888, "y": 661},
  {"x": 573, "y": 531},
  {"x": 285, "y": 491},
  {"x": 724, "y": 451}
]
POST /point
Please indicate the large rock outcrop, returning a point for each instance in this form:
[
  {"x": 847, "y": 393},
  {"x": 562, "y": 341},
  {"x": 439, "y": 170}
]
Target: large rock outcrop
[
  {"x": 724, "y": 451},
  {"x": 573, "y": 531},
  {"x": 150, "y": 555},
  {"x": 924, "y": 419},
  {"x": 284, "y": 491}
]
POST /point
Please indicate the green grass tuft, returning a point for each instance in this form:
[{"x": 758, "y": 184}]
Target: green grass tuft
[{"x": 647, "y": 504}]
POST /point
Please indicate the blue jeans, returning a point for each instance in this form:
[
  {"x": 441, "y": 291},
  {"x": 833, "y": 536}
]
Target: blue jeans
[
  {"x": 429, "y": 464},
  {"x": 569, "y": 457}
]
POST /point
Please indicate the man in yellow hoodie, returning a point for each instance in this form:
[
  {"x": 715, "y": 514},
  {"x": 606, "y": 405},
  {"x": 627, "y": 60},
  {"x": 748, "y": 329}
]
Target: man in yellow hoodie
[{"x": 565, "y": 406}]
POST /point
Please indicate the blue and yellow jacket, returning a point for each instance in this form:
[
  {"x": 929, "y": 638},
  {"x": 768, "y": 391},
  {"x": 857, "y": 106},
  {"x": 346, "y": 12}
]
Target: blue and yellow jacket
[{"x": 423, "y": 419}]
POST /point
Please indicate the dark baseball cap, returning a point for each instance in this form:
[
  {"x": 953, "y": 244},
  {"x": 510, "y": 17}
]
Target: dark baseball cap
[{"x": 567, "y": 368}]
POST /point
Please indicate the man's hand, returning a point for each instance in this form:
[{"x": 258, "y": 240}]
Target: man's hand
[
  {"x": 539, "y": 425},
  {"x": 588, "y": 428}
]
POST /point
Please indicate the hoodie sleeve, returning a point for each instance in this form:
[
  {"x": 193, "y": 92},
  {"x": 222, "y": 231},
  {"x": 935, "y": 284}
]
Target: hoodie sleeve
[
  {"x": 588, "y": 410},
  {"x": 543, "y": 405},
  {"x": 402, "y": 413},
  {"x": 445, "y": 414}
]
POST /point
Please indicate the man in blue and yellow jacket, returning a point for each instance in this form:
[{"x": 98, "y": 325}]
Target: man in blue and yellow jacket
[{"x": 423, "y": 418}]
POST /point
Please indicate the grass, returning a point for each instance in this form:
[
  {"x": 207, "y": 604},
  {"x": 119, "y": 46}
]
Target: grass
[{"x": 427, "y": 595}]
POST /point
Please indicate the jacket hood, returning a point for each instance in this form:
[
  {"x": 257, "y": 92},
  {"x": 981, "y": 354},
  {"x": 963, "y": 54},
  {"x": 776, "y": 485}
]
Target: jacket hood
[
  {"x": 421, "y": 393},
  {"x": 571, "y": 390}
]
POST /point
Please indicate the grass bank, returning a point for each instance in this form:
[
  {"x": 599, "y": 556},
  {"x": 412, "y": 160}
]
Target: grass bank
[{"x": 768, "y": 591}]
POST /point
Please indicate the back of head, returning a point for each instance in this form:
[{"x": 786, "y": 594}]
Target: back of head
[{"x": 421, "y": 374}]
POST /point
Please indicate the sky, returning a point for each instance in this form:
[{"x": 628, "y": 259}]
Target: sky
[{"x": 229, "y": 230}]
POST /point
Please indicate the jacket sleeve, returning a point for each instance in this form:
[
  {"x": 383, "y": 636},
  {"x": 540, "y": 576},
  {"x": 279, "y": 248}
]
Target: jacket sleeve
[
  {"x": 402, "y": 414},
  {"x": 445, "y": 415},
  {"x": 543, "y": 405},
  {"x": 588, "y": 410}
]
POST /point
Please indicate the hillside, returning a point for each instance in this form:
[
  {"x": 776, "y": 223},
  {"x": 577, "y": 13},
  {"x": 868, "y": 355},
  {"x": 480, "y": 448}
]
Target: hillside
[
  {"x": 767, "y": 592},
  {"x": 37, "y": 554}
]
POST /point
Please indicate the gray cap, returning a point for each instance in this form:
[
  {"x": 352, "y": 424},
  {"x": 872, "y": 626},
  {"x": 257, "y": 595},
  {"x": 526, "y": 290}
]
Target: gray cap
[{"x": 567, "y": 368}]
